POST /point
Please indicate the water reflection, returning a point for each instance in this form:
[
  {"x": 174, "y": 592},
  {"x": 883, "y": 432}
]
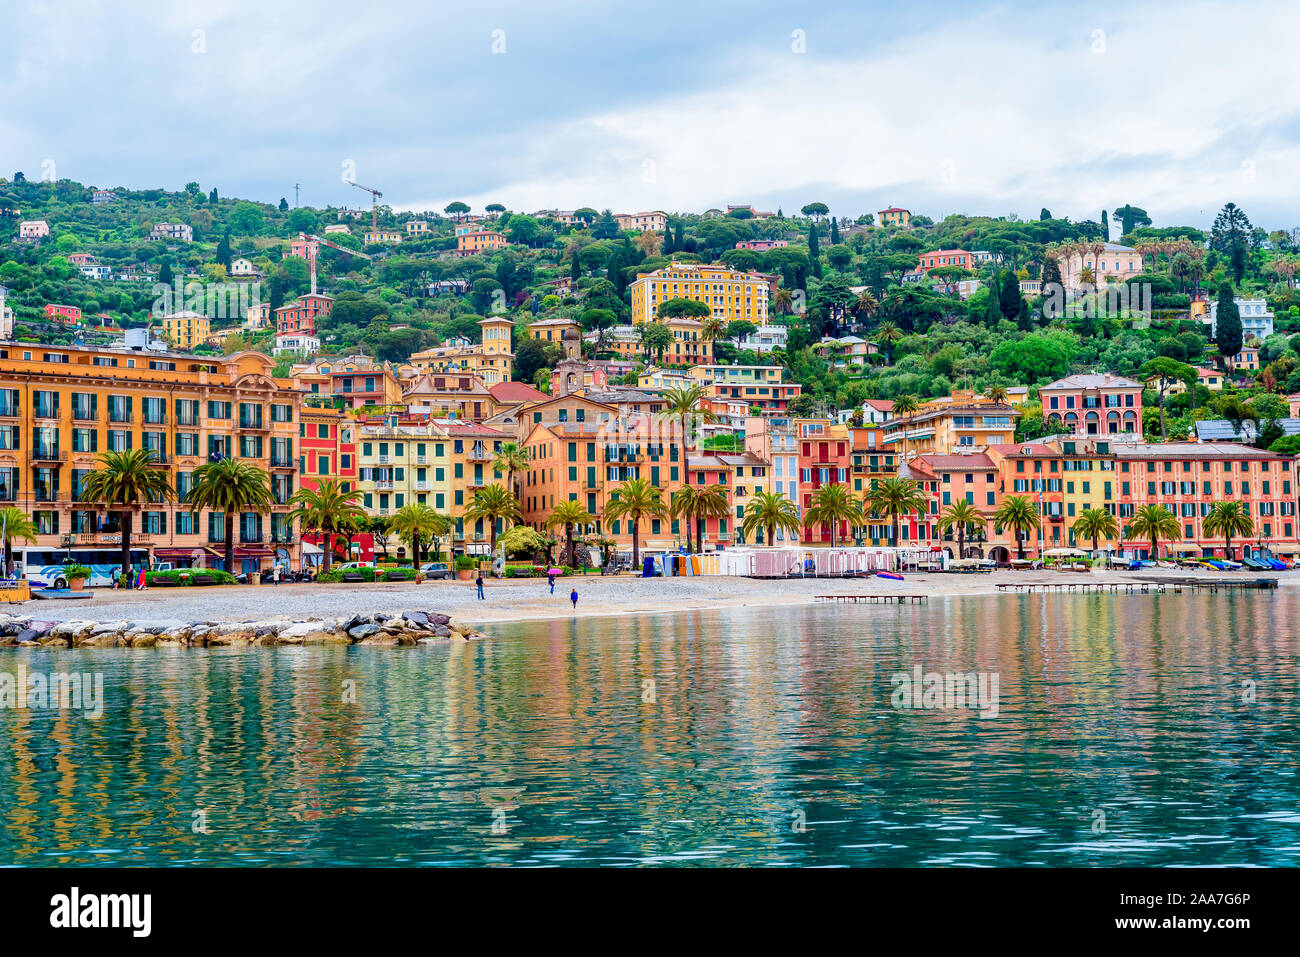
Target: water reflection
[{"x": 766, "y": 737}]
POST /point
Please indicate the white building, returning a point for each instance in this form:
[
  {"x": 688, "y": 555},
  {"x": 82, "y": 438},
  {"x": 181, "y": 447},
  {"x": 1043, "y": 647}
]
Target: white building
[
  {"x": 101, "y": 196},
  {"x": 296, "y": 343},
  {"x": 179, "y": 231},
  {"x": 6, "y": 316},
  {"x": 766, "y": 338},
  {"x": 242, "y": 267},
  {"x": 1256, "y": 320},
  {"x": 96, "y": 271}
]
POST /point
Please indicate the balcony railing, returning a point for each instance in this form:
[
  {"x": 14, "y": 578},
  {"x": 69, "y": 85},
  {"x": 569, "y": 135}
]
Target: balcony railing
[
  {"x": 422, "y": 486},
  {"x": 10, "y": 410},
  {"x": 282, "y": 462},
  {"x": 46, "y": 454},
  {"x": 384, "y": 483}
]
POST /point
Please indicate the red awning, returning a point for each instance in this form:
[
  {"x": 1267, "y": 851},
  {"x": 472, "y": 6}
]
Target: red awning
[
  {"x": 252, "y": 552},
  {"x": 181, "y": 552}
]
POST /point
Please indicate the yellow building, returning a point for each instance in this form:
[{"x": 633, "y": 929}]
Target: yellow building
[
  {"x": 479, "y": 241},
  {"x": 565, "y": 333},
  {"x": 731, "y": 294},
  {"x": 948, "y": 427},
  {"x": 403, "y": 464},
  {"x": 895, "y": 216},
  {"x": 491, "y": 360},
  {"x": 62, "y": 406},
  {"x": 382, "y": 236},
  {"x": 185, "y": 330}
]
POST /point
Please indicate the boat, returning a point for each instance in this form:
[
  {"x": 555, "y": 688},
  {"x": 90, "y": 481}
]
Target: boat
[{"x": 890, "y": 575}]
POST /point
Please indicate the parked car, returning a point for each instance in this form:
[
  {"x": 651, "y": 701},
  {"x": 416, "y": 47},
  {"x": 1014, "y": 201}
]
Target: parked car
[
  {"x": 353, "y": 566},
  {"x": 438, "y": 570}
]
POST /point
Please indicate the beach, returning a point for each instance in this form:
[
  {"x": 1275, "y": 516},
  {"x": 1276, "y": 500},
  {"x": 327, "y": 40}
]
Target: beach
[{"x": 530, "y": 599}]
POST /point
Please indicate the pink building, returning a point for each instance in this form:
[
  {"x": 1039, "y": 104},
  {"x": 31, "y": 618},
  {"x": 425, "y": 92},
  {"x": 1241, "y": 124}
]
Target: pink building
[
  {"x": 762, "y": 245},
  {"x": 63, "y": 313},
  {"x": 946, "y": 257},
  {"x": 1091, "y": 404},
  {"x": 1110, "y": 264}
]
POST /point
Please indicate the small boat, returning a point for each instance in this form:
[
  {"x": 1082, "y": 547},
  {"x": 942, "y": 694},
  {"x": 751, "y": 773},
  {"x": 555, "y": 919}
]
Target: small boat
[{"x": 890, "y": 575}]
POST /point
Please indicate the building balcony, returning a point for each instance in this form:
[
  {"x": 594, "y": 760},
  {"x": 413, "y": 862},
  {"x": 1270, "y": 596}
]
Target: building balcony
[
  {"x": 280, "y": 462},
  {"x": 160, "y": 460},
  {"x": 422, "y": 486},
  {"x": 384, "y": 484},
  {"x": 254, "y": 426},
  {"x": 47, "y": 455},
  {"x": 421, "y": 460},
  {"x": 10, "y": 411},
  {"x": 478, "y": 455}
]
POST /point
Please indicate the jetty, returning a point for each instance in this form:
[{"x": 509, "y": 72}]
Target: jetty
[
  {"x": 876, "y": 599},
  {"x": 1143, "y": 586}
]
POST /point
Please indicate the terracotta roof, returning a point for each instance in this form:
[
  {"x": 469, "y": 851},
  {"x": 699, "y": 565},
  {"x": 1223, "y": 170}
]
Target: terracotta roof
[{"x": 517, "y": 392}]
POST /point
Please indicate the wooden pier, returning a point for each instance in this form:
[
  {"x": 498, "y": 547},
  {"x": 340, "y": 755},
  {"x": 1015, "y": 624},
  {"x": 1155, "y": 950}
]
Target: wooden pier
[
  {"x": 876, "y": 599},
  {"x": 1156, "y": 586}
]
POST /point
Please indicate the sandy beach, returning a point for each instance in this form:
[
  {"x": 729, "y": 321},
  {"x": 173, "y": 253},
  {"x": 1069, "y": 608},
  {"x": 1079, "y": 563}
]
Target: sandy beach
[{"x": 530, "y": 599}]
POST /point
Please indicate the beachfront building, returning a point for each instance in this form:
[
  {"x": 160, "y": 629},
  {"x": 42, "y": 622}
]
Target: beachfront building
[
  {"x": 730, "y": 293},
  {"x": 61, "y": 406},
  {"x": 1093, "y": 404},
  {"x": 327, "y": 448}
]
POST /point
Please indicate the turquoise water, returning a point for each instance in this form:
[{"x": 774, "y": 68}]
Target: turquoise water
[{"x": 768, "y": 738}]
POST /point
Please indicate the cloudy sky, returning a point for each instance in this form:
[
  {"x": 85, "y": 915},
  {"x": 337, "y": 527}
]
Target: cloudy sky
[{"x": 989, "y": 108}]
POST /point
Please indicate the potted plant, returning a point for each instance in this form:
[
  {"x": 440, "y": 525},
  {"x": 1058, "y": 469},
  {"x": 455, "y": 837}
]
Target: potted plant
[
  {"x": 76, "y": 576},
  {"x": 465, "y": 566}
]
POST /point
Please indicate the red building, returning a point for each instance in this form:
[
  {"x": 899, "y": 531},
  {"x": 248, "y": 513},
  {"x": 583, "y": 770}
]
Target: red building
[
  {"x": 825, "y": 457},
  {"x": 705, "y": 470},
  {"x": 946, "y": 257},
  {"x": 63, "y": 313},
  {"x": 301, "y": 316},
  {"x": 327, "y": 448}
]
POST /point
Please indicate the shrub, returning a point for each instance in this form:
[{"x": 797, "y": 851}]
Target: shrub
[
  {"x": 74, "y": 570},
  {"x": 185, "y": 576},
  {"x": 465, "y": 563}
]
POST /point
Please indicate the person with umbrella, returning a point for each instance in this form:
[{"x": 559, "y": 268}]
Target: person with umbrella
[{"x": 551, "y": 576}]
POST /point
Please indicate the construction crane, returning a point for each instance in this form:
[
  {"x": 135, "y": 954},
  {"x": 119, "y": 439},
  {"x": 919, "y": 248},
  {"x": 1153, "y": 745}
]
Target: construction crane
[
  {"x": 316, "y": 242},
  {"x": 374, "y": 203}
]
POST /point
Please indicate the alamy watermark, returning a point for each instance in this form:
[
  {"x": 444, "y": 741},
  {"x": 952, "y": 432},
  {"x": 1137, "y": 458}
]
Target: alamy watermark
[
  {"x": 216, "y": 300},
  {"x": 945, "y": 690},
  {"x": 57, "y": 690}
]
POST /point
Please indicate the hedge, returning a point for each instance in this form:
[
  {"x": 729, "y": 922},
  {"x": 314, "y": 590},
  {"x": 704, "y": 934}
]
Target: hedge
[{"x": 184, "y": 576}]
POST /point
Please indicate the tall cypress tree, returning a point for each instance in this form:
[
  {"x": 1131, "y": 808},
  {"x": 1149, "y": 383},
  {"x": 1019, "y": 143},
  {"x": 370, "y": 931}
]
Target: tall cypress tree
[
  {"x": 212, "y": 195},
  {"x": 1105, "y": 227},
  {"x": 679, "y": 240},
  {"x": 575, "y": 270},
  {"x": 165, "y": 273},
  {"x": 1009, "y": 294},
  {"x": 993, "y": 312},
  {"x": 1227, "y": 323},
  {"x": 835, "y": 232},
  {"x": 668, "y": 241},
  {"x": 1051, "y": 276},
  {"x": 814, "y": 250}
]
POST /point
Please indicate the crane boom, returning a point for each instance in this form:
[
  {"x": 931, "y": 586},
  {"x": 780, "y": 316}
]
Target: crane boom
[
  {"x": 322, "y": 241},
  {"x": 374, "y": 203}
]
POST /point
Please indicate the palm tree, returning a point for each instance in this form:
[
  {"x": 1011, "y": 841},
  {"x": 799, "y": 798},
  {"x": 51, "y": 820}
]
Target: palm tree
[
  {"x": 569, "y": 514},
  {"x": 770, "y": 511},
  {"x": 17, "y": 528},
  {"x": 895, "y": 497},
  {"x": 782, "y": 302},
  {"x": 886, "y": 336},
  {"x": 511, "y": 458},
  {"x": 830, "y": 505},
  {"x": 683, "y": 404},
  {"x": 230, "y": 486},
  {"x": 326, "y": 510},
  {"x": 691, "y": 503},
  {"x": 1095, "y": 523},
  {"x": 713, "y": 329},
  {"x": 904, "y": 406},
  {"x": 1228, "y": 519},
  {"x": 121, "y": 483},
  {"x": 866, "y": 305},
  {"x": 964, "y": 516},
  {"x": 1154, "y": 522},
  {"x": 634, "y": 500},
  {"x": 1018, "y": 514},
  {"x": 494, "y": 503},
  {"x": 996, "y": 393},
  {"x": 417, "y": 523}
]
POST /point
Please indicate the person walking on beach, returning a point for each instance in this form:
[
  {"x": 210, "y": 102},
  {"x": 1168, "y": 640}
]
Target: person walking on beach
[
  {"x": 479, "y": 581},
  {"x": 551, "y": 580},
  {"x": 117, "y": 577},
  {"x": 573, "y": 597}
]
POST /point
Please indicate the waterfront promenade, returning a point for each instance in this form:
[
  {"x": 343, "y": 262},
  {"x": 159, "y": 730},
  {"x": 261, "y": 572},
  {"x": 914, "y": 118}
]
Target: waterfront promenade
[{"x": 525, "y": 599}]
